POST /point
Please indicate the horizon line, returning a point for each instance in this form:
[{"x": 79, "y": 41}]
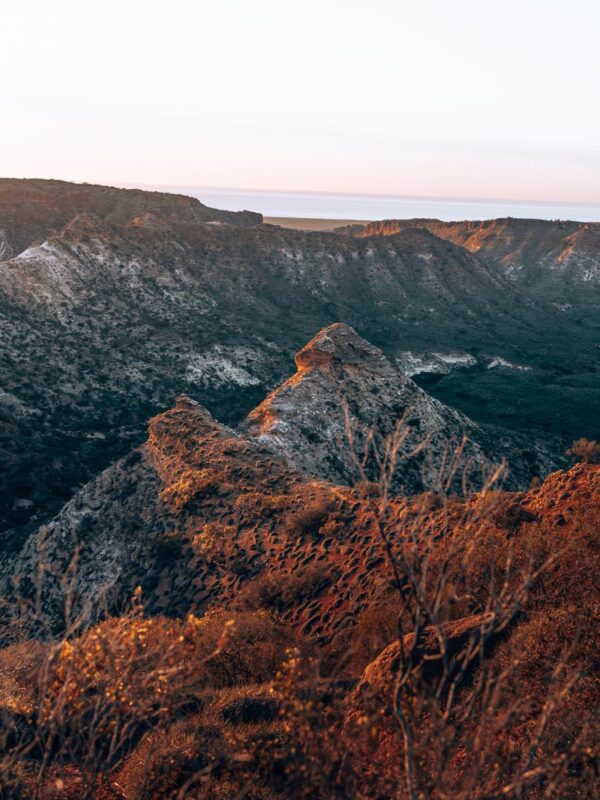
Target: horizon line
[
  {"x": 143, "y": 185},
  {"x": 308, "y": 192}
]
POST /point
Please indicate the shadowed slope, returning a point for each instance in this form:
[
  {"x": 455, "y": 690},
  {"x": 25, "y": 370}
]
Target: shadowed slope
[{"x": 345, "y": 385}]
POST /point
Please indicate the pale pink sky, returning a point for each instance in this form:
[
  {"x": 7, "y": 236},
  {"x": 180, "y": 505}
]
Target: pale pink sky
[{"x": 471, "y": 98}]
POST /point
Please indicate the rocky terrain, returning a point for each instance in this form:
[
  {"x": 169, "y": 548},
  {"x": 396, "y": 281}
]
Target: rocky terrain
[
  {"x": 113, "y": 302},
  {"x": 220, "y": 534},
  {"x": 33, "y": 210},
  {"x": 196, "y": 481},
  {"x": 559, "y": 260},
  {"x": 346, "y": 390}
]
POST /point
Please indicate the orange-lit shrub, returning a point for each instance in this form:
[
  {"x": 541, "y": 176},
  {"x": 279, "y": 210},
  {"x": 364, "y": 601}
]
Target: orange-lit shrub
[
  {"x": 585, "y": 450},
  {"x": 308, "y": 520},
  {"x": 190, "y": 485},
  {"x": 281, "y": 592}
]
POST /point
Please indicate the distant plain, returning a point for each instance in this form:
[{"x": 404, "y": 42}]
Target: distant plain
[{"x": 341, "y": 208}]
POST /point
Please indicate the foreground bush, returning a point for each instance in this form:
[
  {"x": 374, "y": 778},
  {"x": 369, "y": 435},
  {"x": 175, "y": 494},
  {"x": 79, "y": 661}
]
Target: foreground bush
[{"x": 469, "y": 673}]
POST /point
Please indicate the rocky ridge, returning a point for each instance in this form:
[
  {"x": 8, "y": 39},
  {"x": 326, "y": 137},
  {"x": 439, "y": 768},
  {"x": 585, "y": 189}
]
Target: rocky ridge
[
  {"x": 201, "y": 509},
  {"x": 559, "y": 258},
  {"x": 345, "y": 389},
  {"x": 32, "y": 210}
]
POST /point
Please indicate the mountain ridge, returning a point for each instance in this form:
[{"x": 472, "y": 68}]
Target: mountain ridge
[
  {"x": 553, "y": 256},
  {"x": 33, "y": 209}
]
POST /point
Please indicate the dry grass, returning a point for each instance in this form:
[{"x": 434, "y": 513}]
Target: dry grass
[{"x": 476, "y": 652}]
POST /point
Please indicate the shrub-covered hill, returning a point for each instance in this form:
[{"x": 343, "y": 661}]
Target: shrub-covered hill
[{"x": 291, "y": 682}]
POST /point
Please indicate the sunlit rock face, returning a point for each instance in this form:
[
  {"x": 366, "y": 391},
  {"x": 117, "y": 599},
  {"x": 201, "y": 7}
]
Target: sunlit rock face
[{"x": 339, "y": 344}]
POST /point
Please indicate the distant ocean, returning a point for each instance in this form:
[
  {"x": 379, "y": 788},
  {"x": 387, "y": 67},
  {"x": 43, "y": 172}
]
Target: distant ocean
[{"x": 371, "y": 207}]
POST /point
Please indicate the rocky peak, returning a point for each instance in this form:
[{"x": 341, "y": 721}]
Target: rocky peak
[
  {"x": 185, "y": 403},
  {"x": 345, "y": 388},
  {"x": 338, "y": 344},
  {"x": 193, "y": 415},
  {"x": 176, "y": 436}
]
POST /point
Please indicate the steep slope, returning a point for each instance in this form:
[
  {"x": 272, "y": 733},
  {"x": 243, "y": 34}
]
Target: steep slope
[
  {"x": 344, "y": 387},
  {"x": 194, "y": 517},
  {"x": 202, "y": 517},
  {"x": 194, "y": 693}
]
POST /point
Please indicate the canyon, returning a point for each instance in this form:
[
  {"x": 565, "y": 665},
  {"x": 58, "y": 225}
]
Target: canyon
[
  {"x": 113, "y": 302},
  {"x": 289, "y": 513}
]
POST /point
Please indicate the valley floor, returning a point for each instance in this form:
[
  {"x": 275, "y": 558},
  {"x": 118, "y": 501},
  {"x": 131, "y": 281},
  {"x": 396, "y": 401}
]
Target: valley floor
[{"x": 312, "y": 224}]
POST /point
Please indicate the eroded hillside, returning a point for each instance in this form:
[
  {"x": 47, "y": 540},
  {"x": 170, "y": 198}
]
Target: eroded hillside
[
  {"x": 198, "y": 484},
  {"x": 559, "y": 259}
]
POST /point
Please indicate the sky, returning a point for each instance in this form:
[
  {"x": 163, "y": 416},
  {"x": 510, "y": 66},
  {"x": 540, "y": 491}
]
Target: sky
[{"x": 469, "y": 98}]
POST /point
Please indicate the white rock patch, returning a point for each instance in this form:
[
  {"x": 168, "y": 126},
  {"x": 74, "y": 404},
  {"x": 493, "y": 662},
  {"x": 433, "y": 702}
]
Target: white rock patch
[
  {"x": 440, "y": 363},
  {"x": 223, "y": 365},
  {"x": 498, "y": 361}
]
